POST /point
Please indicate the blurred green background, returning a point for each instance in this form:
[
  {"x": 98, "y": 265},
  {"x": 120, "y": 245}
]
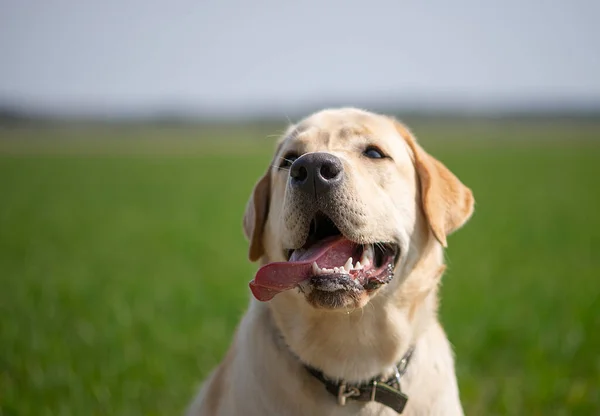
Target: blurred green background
[{"x": 123, "y": 268}]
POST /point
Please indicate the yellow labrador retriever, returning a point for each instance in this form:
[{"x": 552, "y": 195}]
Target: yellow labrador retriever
[{"x": 349, "y": 224}]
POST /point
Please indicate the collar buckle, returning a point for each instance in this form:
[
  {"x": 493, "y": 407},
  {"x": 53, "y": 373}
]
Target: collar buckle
[
  {"x": 344, "y": 393},
  {"x": 387, "y": 392}
]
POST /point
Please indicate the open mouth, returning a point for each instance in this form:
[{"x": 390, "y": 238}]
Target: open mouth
[{"x": 329, "y": 262}]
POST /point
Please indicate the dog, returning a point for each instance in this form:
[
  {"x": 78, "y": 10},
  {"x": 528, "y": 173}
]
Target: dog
[{"x": 349, "y": 224}]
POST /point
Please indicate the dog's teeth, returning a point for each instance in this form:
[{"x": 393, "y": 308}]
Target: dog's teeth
[
  {"x": 315, "y": 268},
  {"x": 348, "y": 265},
  {"x": 370, "y": 251},
  {"x": 367, "y": 255},
  {"x": 358, "y": 266}
]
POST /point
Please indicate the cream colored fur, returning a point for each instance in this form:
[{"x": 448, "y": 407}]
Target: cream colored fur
[{"x": 412, "y": 200}]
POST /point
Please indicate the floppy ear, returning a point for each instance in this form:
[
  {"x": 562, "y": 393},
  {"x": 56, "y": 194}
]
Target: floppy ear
[
  {"x": 255, "y": 216},
  {"x": 447, "y": 203}
]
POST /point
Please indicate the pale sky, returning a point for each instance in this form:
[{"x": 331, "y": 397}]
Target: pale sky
[{"x": 243, "y": 57}]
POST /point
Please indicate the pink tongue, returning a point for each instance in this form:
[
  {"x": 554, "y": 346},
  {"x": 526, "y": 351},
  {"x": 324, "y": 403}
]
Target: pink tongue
[{"x": 278, "y": 277}]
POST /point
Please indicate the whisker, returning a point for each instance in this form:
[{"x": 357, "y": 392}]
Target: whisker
[
  {"x": 288, "y": 119},
  {"x": 283, "y": 167},
  {"x": 280, "y": 167},
  {"x": 278, "y": 133}
]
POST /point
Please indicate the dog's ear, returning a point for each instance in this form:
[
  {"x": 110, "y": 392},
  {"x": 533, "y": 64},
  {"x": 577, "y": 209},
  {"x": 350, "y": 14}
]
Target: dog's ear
[
  {"x": 447, "y": 203},
  {"x": 255, "y": 216},
  {"x": 257, "y": 210}
]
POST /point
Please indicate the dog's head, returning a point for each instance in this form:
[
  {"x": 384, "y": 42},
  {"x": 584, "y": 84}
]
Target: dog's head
[{"x": 347, "y": 195}]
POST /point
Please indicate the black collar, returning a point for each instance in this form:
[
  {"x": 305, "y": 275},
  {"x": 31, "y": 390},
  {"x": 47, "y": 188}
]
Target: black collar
[{"x": 386, "y": 392}]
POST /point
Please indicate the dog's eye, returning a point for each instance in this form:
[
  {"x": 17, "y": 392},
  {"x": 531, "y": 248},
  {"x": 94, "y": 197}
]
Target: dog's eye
[
  {"x": 373, "y": 152},
  {"x": 287, "y": 160}
]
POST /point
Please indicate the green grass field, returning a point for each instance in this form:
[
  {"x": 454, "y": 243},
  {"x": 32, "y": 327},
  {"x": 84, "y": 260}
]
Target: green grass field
[{"x": 123, "y": 268}]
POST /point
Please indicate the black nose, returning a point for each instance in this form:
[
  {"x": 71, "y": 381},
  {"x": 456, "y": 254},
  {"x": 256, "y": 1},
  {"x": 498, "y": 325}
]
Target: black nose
[{"x": 316, "y": 173}]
